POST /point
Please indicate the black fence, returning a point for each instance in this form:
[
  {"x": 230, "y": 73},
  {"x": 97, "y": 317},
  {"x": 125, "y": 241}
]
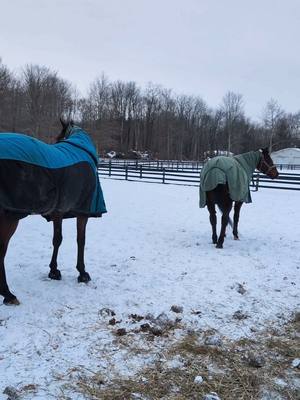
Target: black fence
[
  {"x": 176, "y": 165},
  {"x": 187, "y": 176}
]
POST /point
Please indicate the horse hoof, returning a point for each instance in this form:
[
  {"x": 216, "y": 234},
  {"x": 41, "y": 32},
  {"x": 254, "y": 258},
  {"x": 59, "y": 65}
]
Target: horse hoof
[
  {"x": 11, "y": 301},
  {"x": 56, "y": 275},
  {"x": 236, "y": 238},
  {"x": 219, "y": 246},
  {"x": 84, "y": 277}
]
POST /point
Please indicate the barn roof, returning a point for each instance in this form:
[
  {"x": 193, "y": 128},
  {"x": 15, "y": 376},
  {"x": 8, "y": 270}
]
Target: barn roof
[{"x": 288, "y": 149}]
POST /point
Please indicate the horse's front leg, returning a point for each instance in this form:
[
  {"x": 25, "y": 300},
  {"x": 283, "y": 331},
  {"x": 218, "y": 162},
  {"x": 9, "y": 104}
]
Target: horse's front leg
[
  {"x": 57, "y": 239},
  {"x": 7, "y": 229},
  {"x": 212, "y": 216},
  {"x": 81, "y": 228},
  {"x": 236, "y": 216}
]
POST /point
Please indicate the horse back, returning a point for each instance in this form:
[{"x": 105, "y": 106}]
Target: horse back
[{"x": 38, "y": 178}]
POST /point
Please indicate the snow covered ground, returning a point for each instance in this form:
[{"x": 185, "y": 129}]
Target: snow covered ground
[{"x": 151, "y": 251}]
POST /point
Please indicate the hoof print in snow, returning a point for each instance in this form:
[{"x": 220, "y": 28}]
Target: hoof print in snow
[
  {"x": 256, "y": 360},
  {"x": 121, "y": 332},
  {"x": 106, "y": 312},
  {"x": 239, "y": 315},
  {"x": 241, "y": 289},
  {"x": 177, "y": 309},
  {"x": 196, "y": 312}
]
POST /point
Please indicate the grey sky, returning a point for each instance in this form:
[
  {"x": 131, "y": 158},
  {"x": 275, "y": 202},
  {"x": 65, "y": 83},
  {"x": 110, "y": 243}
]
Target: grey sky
[{"x": 197, "y": 47}]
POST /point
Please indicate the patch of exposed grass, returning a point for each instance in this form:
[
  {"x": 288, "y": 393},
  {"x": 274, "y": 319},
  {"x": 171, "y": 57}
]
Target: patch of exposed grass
[{"x": 225, "y": 369}]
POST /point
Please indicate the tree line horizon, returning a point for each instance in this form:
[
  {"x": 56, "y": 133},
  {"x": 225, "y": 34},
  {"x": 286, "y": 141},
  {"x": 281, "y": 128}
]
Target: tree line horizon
[{"x": 121, "y": 116}]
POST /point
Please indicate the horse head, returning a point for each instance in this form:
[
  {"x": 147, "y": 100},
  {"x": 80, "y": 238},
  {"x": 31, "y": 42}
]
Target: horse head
[
  {"x": 266, "y": 164},
  {"x": 66, "y": 129}
]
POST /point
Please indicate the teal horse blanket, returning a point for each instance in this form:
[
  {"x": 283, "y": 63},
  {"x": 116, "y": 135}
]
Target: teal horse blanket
[
  {"x": 235, "y": 171},
  {"x": 39, "y": 178}
]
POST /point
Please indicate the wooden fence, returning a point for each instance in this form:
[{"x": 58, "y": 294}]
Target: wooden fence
[
  {"x": 188, "y": 176},
  {"x": 176, "y": 165}
]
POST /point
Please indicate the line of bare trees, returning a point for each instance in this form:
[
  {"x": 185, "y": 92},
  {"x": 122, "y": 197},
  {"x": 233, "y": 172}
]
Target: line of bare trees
[{"x": 122, "y": 116}]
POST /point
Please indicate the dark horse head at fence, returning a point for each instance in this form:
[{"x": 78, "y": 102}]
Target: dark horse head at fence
[
  {"x": 225, "y": 180},
  {"x": 56, "y": 181}
]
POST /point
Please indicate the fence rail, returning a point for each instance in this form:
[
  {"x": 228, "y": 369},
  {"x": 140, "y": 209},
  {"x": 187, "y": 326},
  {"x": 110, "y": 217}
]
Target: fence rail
[
  {"x": 176, "y": 165},
  {"x": 158, "y": 164},
  {"x": 189, "y": 176}
]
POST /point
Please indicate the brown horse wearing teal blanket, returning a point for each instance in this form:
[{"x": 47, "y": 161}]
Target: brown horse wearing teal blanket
[
  {"x": 56, "y": 181},
  {"x": 225, "y": 180}
]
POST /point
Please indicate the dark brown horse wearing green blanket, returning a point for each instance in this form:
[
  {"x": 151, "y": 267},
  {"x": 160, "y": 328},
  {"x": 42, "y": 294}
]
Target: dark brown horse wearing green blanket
[
  {"x": 225, "y": 180},
  {"x": 56, "y": 181}
]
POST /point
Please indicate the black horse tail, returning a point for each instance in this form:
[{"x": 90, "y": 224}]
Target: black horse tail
[{"x": 219, "y": 205}]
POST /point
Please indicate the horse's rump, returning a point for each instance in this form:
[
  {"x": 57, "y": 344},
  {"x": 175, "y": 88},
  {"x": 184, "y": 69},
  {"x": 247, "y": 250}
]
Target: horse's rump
[
  {"x": 36, "y": 178},
  {"x": 226, "y": 170}
]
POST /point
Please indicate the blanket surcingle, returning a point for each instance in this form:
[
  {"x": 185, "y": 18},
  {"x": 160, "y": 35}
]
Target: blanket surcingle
[
  {"x": 40, "y": 178},
  {"x": 235, "y": 171}
]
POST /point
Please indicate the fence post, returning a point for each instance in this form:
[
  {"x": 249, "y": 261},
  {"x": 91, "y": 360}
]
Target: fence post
[
  {"x": 109, "y": 168},
  {"x": 141, "y": 171},
  {"x": 126, "y": 172},
  {"x": 164, "y": 175},
  {"x": 257, "y": 183}
]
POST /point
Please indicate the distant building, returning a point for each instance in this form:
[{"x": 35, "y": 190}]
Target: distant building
[
  {"x": 214, "y": 153},
  {"x": 289, "y": 156}
]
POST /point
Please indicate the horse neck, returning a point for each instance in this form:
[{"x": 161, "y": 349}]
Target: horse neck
[
  {"x": 82, "y": 139},
  {"x": 249, "y": 161}
]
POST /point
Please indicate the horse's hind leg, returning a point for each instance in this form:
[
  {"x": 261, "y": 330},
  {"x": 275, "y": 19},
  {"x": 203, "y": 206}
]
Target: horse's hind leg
[
  {"x": 8, "y": 227},
  {"x": 81, "y": 228},
  {"x": 57, "y": 239},
  {"x": 226, "y": 208},
  {"x": 236, "y": 216},
  {"x": 212, "y": 215}
]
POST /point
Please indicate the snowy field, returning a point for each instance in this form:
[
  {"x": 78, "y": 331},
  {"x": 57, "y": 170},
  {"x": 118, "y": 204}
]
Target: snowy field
[{"x": 151, "y": 251}]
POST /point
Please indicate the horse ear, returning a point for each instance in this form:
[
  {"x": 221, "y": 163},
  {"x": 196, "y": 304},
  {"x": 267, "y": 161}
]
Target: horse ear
[
  {"x": 62, "y": 121},
  {"x": 264, "y": 150}
]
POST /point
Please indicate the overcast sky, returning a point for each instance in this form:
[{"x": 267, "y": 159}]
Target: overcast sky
[{"x": 195, "y": 47}]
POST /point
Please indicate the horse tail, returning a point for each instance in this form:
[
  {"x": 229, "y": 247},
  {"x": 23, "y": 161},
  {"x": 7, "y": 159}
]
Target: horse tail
[
  {"x": 220, "y": 201},
  {"x": 221, "y": 211},
  {"x": 219, "y": 205}
]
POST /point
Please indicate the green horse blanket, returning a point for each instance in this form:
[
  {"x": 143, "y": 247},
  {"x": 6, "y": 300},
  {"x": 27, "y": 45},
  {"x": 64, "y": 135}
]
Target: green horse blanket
[{"x": 235, "y": 171}]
